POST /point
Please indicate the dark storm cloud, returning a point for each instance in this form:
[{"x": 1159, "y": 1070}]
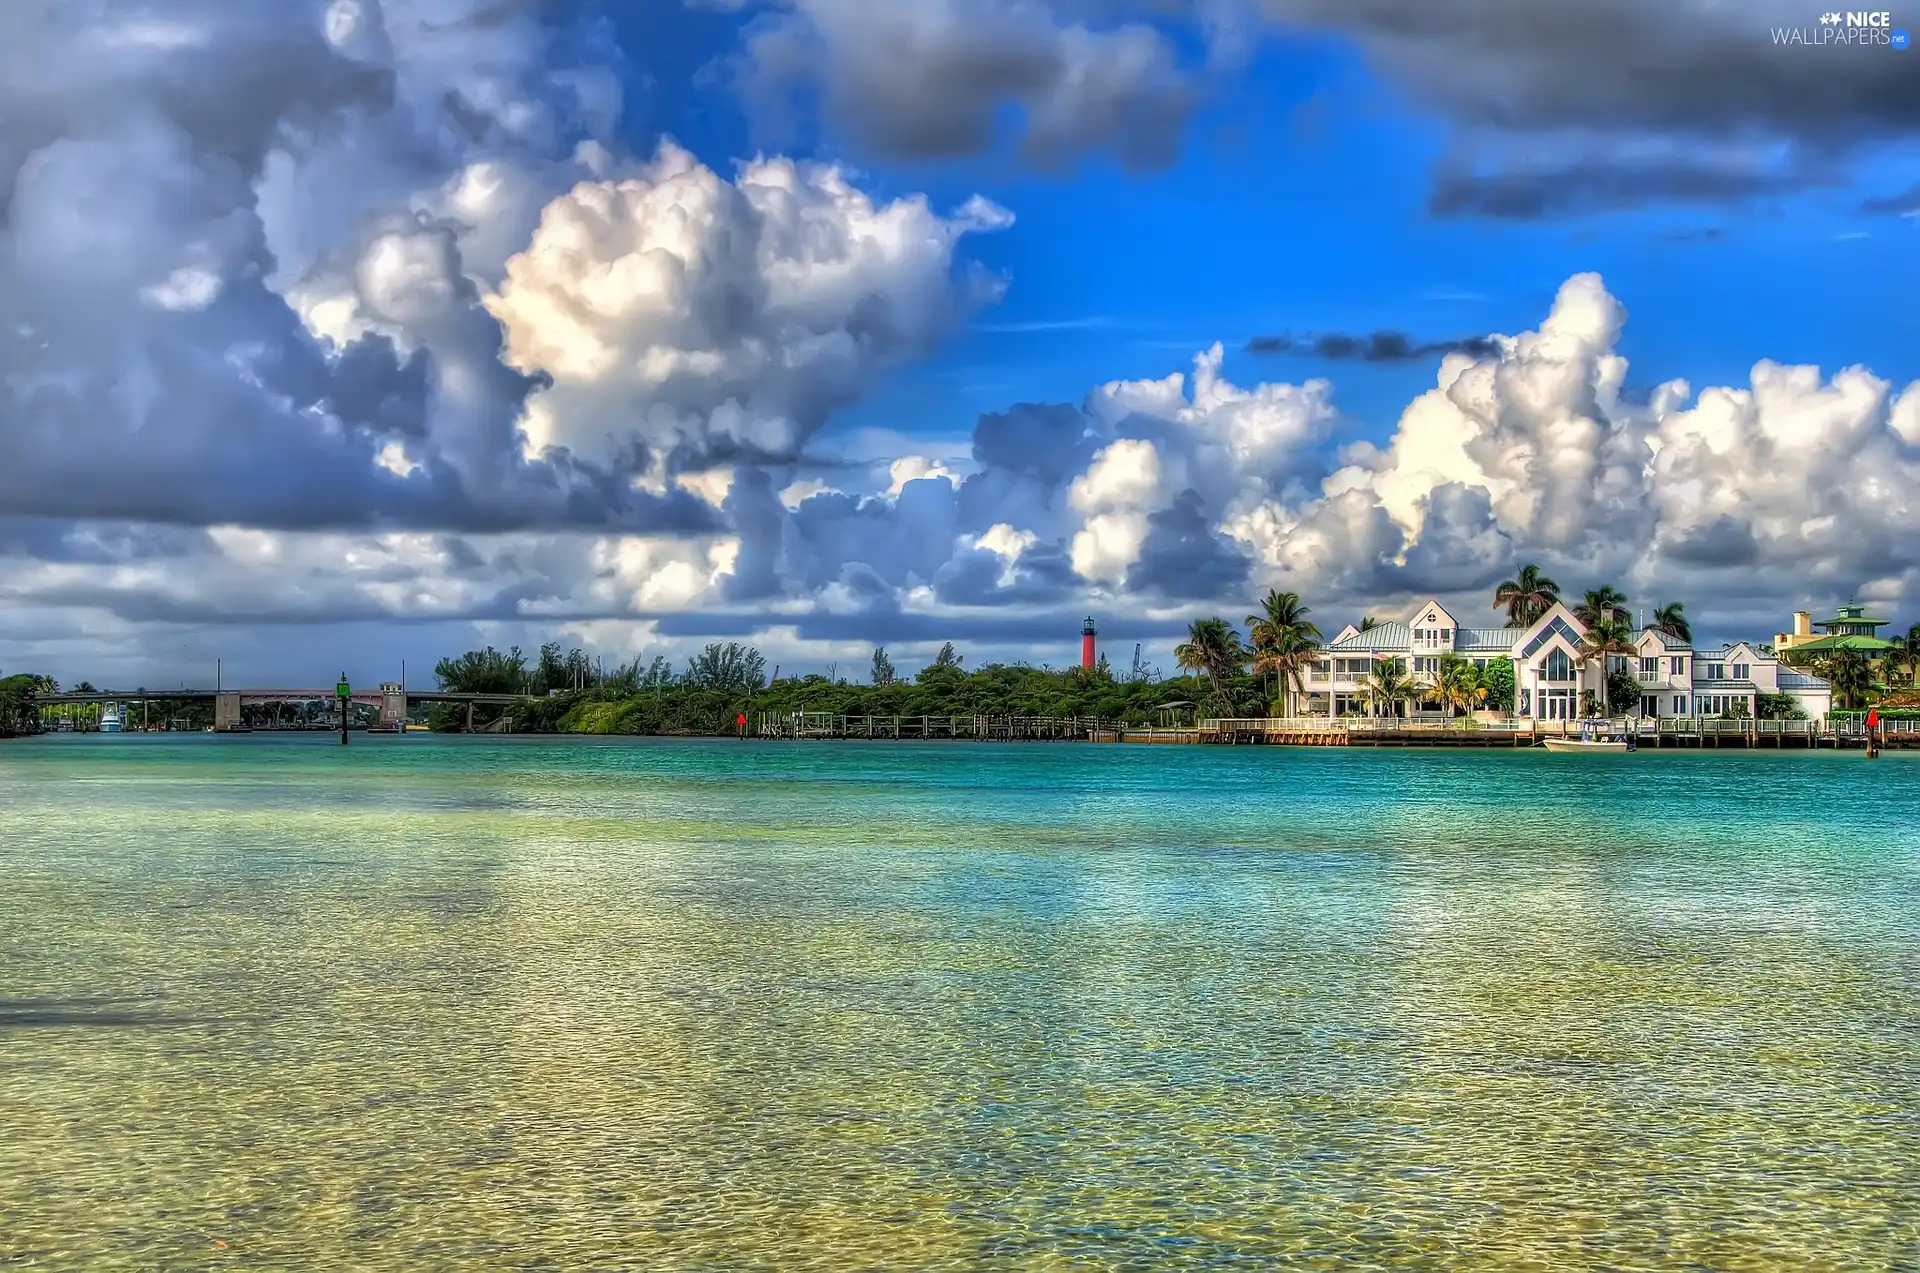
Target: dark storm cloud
[
  {"x": 1184, "y": 559},
  {"x": 939, "y": 81},
  {"x": 1059, "y": 628},
  {"x": 1381, "y": 346},
  {"x": 1043, "y": 576},
  {"x": 943, "y": 80},
  {"x": 1527, "y": 192},
  {"x": 1725, "y": 541},
  {"x": 1906, "y": 203},
  {"x": 1629, "y": 65}
]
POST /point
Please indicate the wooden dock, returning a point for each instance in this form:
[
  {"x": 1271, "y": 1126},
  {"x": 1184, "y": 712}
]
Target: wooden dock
[
  {"x": 1011, "y": 729},
  {"x": 1314, "y": 731}
]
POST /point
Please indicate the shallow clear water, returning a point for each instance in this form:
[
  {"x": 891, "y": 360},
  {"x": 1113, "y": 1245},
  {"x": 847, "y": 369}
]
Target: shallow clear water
[{"x": 426, "y": 1003}]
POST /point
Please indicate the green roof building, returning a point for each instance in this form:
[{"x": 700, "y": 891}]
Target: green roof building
[{"x": 1851, "y": 628}]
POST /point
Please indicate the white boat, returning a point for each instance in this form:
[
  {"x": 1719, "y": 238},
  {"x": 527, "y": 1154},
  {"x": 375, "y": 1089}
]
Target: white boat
[
  {"x": 1585, "y": 744},
  {"x": 1595, "y": 736},
  {"x": 110, "y": 722}
]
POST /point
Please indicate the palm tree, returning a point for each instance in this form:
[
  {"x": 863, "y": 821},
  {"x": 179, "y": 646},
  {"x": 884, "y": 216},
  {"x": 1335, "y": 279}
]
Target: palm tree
[
  {"x": 1604, "y": 604},
  {"x": 1284, "y": 641},
  {"x": 1459, "y": 683},
  {"x": 1526, "y": 597},
  {"x": 1909, "y": 653},
  {"x": 1606, "y": 637},
  {"x": 1368, "y": 623},
  {"x": 1851, "y": 675},
  {"x": 1671, "y": 619},
  {"x": 1389, "y": 684},
  {"x": 1212, "y": 647}
]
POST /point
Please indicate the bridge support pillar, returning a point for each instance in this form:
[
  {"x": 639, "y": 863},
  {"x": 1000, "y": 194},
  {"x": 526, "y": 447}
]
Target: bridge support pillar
[
  {"x": 393, "y": 704},
  {"x": 226, "y": 711}
]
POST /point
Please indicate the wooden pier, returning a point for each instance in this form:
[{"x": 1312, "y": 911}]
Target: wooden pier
[
  {"x": 1012, "y": 729},
  {"x": 1710, "y": 732},
  {"x": 1319, "y": 731}
]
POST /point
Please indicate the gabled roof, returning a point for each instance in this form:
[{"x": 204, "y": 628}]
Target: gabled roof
[
  {"x": 1417, "y": 616},
  {"x": 1665, "y": 640},
  {"x": 1558, "y": 622},
  {"x": 1350, "y": 630}
]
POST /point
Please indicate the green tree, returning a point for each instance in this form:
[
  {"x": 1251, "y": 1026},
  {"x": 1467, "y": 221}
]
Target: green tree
[
  {"x": 1526, "y": 597},
  {"x": 1213, "y": 649},
  {"x": 727, "y": 668},
  {"x": 1623, "y": 689},
  {"x": 1851, "y": 675},
  {"x": 948, "y": 657},
  {"x": 1671, "y": 619},
  {"x": 1500, "y": 681},
  {"x": 1459, "y": 685},
  {"x": 1368, "y": 623},
  {"x": 882, "y": 666},
  {"x": 19, "y": 709},
  {"x": 1605, "y": 604},
  {"x": 1906, "y": 652},
  {"x": 1388, "y": 685},
  {"x": 1778, "y": 707},
  {"x": 485, "y": 671},
  {"x": 1285, "y": 643}
]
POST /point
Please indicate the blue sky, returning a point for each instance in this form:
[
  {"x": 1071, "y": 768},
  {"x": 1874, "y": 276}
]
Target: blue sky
[
  {"x": 1300, "y": 204},
  {"x": 432, "y": 376}
]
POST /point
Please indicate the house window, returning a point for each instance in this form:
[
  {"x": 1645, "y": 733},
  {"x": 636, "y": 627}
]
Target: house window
[
  {"x": 1676, "y": 665},
  {"x": 1741, "y": 671},
  {"x": 1558, "y": 667},
  {"x": 1679, "y": 704},
  {"x": 1649, "y": 666},
  {"x": 1716, "y": 672},
  {"x": 1426, "y": 667},
  {"x": 1649, "y": 706}
]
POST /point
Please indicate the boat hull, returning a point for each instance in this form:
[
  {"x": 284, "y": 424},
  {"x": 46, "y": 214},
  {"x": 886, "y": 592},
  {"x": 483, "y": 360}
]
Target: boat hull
[{"x": 1583, "y": 745}]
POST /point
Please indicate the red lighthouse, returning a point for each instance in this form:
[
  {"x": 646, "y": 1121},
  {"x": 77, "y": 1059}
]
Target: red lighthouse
[{"x": 1087, "y": 634}]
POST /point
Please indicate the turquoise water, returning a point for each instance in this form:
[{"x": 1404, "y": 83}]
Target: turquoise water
[{"x": 426, "y": 1003}]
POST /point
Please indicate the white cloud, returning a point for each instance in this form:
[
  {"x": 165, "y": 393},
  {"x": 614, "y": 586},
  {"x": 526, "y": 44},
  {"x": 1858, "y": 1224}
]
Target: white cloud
[{"x": 675, "y": 307}]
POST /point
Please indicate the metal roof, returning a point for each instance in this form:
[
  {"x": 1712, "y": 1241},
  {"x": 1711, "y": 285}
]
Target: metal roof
[
  {"x": 1847, "y": 641},
  {"x": 1801, "y": 681},
  {"x": 1725, "y": 685},
  {"x": 1500, "y": 639},
  {"x": 1386, "y": 636}
]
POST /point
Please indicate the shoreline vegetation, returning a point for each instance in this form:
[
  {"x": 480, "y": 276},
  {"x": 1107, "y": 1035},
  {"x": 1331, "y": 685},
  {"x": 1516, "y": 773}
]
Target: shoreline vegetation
[{"x": 1220, "y": 673}]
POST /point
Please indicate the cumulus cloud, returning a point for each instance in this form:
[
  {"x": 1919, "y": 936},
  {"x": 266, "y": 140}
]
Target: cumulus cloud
[
  {"x": 675, "y": 311},
  {"x": 372, "y": 264},
  {"x": 1150, "y": 501}
]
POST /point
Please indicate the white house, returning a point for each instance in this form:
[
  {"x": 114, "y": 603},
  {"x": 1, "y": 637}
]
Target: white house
[{"x": 1550, "y": 680}]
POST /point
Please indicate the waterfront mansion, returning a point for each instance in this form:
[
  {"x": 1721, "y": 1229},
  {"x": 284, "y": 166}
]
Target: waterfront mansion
[{"x": 1549, "y": 678}]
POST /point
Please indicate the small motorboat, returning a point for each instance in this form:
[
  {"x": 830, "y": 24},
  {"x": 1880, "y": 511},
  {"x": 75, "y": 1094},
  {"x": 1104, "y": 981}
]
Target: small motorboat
[{"x": 1595, "y": 736}]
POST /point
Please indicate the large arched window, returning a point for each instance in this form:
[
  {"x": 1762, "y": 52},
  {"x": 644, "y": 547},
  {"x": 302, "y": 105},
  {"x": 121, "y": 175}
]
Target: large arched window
[{"x": 1558, "y": 666}]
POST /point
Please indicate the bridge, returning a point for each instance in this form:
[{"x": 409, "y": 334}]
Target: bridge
[{"x": 391, "y": 698}]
